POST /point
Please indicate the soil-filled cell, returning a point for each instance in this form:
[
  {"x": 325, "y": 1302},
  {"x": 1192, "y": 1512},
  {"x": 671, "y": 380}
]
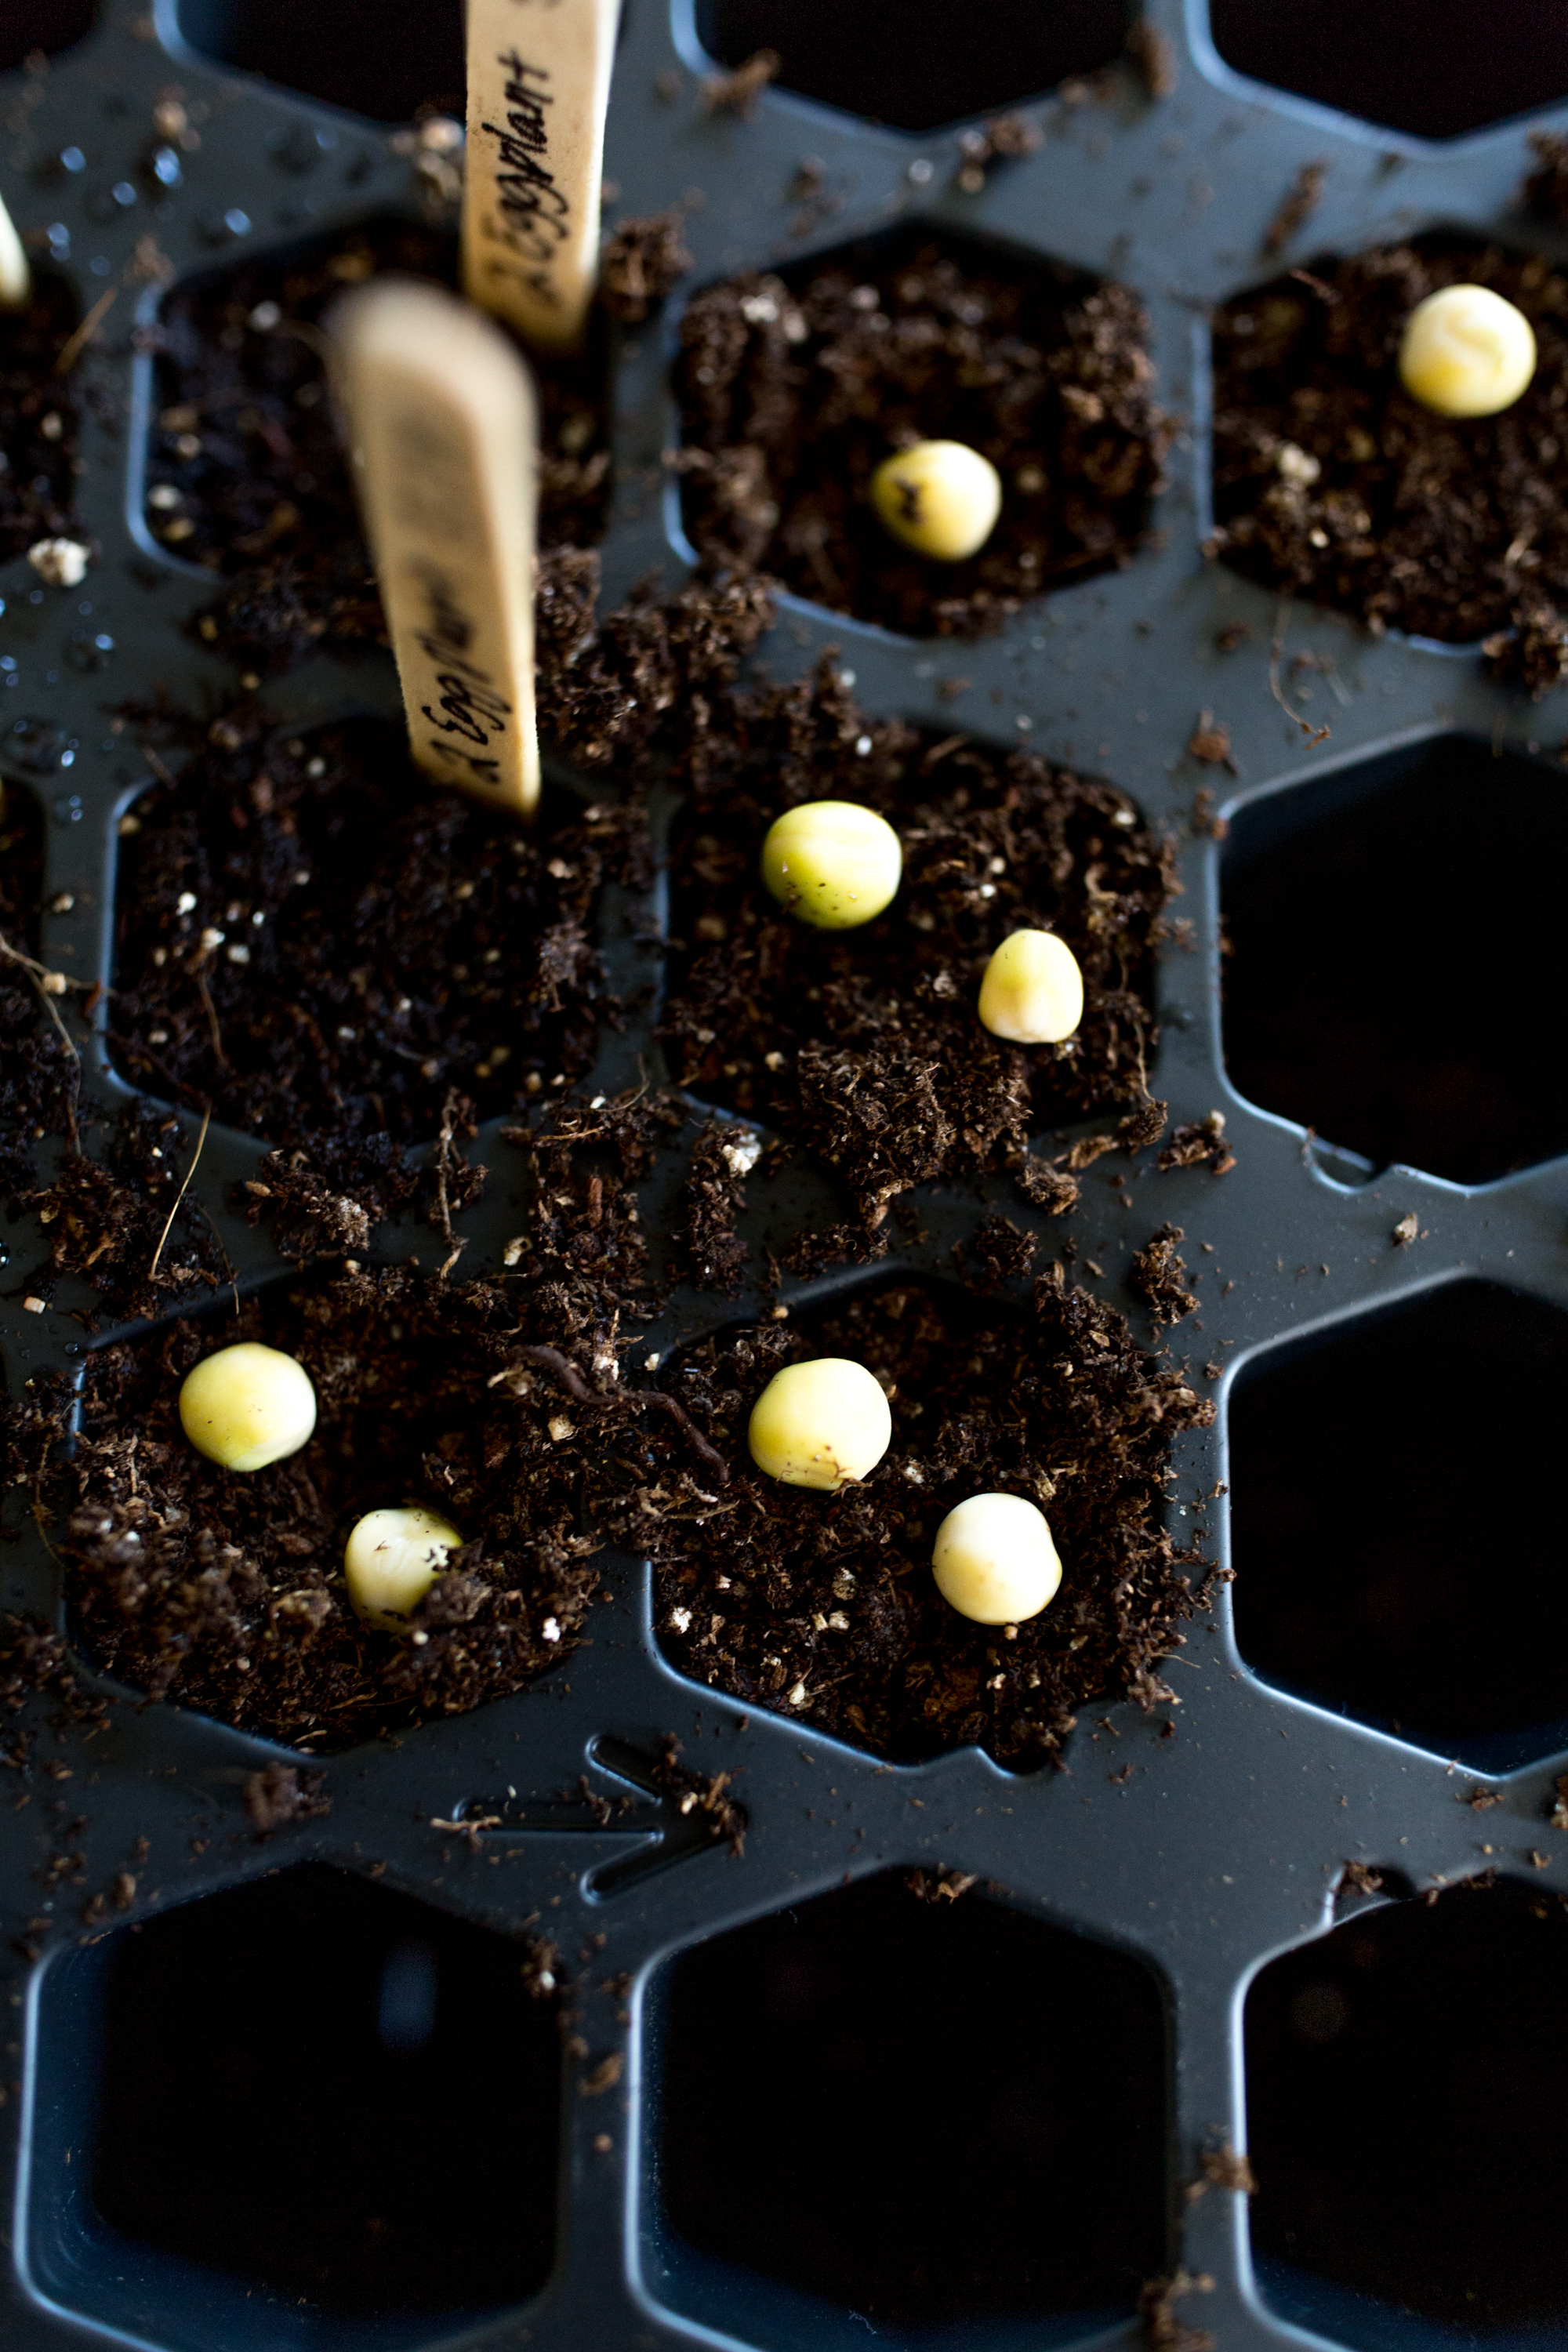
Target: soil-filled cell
[
  {"x": 824, "y": 1607},
  {"x": 1333, "y": 483},
  {"x": 1435, "y": 69},
  {"x": 325, "y": 945},
  {"x": 1393, "y": 979},
  {"x": 247, "y": 475},
  {"x": 1405, "y": 2088},
  {"x": 883, "y": 2113},
  {"x": 224, "y": 1590},
  {"x": 795, "y": 388},
  {"x": 1395, "y": 1523},
  {"x": 914, "y": 66},
  {"x": 865, "y": 1044}
]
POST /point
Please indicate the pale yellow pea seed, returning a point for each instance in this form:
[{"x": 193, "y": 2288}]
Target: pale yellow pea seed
[
  {"x": 995, "y": 1560},
  {"x": 940, "y": 498},
  {"x": 832, "y": 862},
  {"x": 1032, "y": 994},
  {"x": 821, "y": 1424},
  {"x": 1467, "y": 352},
  {"x": 248, "y": 1405},
  {"x": 393, "y": 1558}
]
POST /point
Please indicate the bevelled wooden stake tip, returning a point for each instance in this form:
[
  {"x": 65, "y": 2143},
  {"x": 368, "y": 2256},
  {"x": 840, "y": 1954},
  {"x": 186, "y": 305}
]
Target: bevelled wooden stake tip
[
  {"x": 15, "y": 277},
  {"x": 443, "y": 427},
  {"x": 539, "y": 83}
]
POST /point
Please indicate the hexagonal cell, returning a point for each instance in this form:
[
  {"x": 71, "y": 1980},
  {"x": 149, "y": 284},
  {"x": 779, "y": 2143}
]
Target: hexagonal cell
[
  {"x": 415, "y": 65},
  {"x": 1436, "y": 69},
  {"x": 224, "y": 1591},
  {"x": 42, "y": 27},
  {"x": 1390, "y": 980},
  {"x": 1331, "y": 482},
  {"x": 929, "y": 2121},
  {"x": 37, "y": 419},
  {"x": 1404, "y": 2081},
  {"x": 862, "y": 1046},
  {"x": 323, "y": 944},
  {"x": 1375, "y": 1467},
  {"x": 909, "y": 62},
  {"x": 245, "y": 474},
  {"x": 824, "y": 1607},
  {"x": 308, "y": 2112},
  {"x": 795, "y": 387}
]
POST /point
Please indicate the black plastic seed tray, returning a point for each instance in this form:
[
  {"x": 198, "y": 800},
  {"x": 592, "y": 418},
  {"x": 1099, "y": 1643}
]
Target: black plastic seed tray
[{"x": 1156, "y": 1874}]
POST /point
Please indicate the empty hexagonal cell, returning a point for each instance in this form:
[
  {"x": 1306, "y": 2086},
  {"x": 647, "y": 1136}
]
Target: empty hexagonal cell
[
  {"x": 1436, "y": 69},
  {"x": 42, "y": 27},
  {"x": 308, "y": 2112},
  {"x": 1391, "y": 979},
  {"x": 863, "y": 1044},
  {"x": 1404, "y": 2081},
  {"x": 795, "y": 387},
  {"x": 824, "y": 1606},
  {"x": 1396, "y": 1526},
  {"x": 414, "y": 64},
  {"x": 323, "y": 944},
  {"x": 1333, "y": 482},
  {"x": 933, "y": 2121},
  {"x": 913, "y": 66},
  {"x": 224, "y": 1590},
  {"x": 245, "y": 474}
]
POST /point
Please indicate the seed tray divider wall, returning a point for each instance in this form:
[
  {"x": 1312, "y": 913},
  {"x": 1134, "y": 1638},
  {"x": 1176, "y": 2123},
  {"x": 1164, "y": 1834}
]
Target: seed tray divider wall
[{"x": 1224, "y": 1843}]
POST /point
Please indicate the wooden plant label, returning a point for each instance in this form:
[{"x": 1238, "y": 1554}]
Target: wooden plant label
[
  {"x": 539, "y": 82},
  {"x": 443, "y": 430},
  {"x": 15, "y": 277}
]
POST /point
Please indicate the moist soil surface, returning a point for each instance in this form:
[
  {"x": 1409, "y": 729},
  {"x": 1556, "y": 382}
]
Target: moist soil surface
[
  {"x": 225, "y": 1592},
  {"x": 1332, "y": 483},
  {"x": 864, "y": 1045},
  {"x": 322, "y": 944},
  {"x": 37, "y": 422},
  {"x": 792, "y": 391},
  {"x": 245, "y": 472},
  {"x": 37, "y": 1075},
  {"x": 824, "y": 1607}
]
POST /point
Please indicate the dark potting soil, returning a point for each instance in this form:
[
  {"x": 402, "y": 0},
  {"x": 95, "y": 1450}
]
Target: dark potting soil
[
  {"x": 864, "y": 1045},
  {"x": 225, "y": 1592},
  {"x": 37, "y": 1072},
  {"x": 246, "y": 475},
  {"x": 824, "y": 1607},
  {"x": 38, "y": 421},
  {"x": 793, "y": 389},
  {"x": 322, "y": 944},
  {"x": 1332, "y": 483}
]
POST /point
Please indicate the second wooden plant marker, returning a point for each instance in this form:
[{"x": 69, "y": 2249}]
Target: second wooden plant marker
[
  {"x": 444, "y": 435},
  {"x": 539, "y": 83}
]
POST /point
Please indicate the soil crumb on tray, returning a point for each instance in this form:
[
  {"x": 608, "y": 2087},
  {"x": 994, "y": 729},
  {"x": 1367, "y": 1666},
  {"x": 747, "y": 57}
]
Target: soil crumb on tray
[
  {"x": 1331, "y": 482},
  {"x": 246, "y": 475},
  {"x": 322, "y": 943},
  {"x": 793, "y": 394},
  {"x": 825, "y": 1607},
  {"x": 38, "y": 420},
  {"x": 864, "y": 1045},
  {"x": 225, "y": 1592}
]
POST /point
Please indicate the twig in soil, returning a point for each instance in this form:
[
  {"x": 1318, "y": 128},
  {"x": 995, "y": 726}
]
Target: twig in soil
[
  {"x": 50, "y": 984},
  {"x": 1314, "y": 735},
  {"x": 174, "y": 1213},
  {"x": 564, "y": 1369},
  {"x": 684, "y": 1422},
  {"x": 456, "y": 1244},
  {"x": 1326, "y": 293},
  {"x": 211, "y": 1010},
  {"x": 71, "y": 350}
]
